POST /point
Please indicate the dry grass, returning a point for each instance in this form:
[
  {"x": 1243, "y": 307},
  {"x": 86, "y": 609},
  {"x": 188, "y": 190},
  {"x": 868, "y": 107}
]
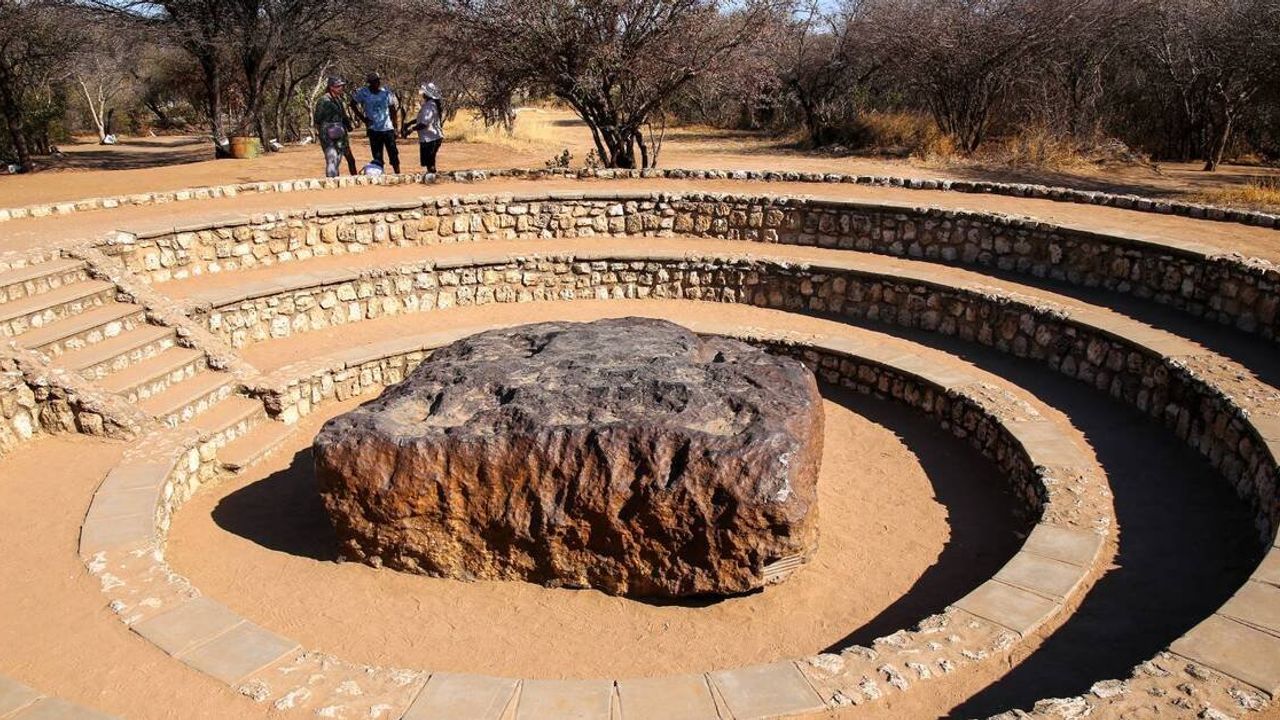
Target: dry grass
[
  {"x": 905, "y": 134},
  {"x": 1260, "y": 193},
  {"x": 533, "y": 130}
]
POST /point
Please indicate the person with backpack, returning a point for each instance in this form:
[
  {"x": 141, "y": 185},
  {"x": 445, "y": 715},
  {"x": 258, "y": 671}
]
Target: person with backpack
[
  {"x": 333, "y": 128},
  {"x": 429, "y": 124}
]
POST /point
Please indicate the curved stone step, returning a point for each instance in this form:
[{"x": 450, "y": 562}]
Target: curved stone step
[
  {"x": 109, "y": 356},
  {"x": 85, "y": 329},
  {"x": 254, "y": 446},
  {"x": 153, "y": 375},
  {"x": 40, "y": 278},
  {"x": 230, "y": 418},
  {"x": 185, "y": 400},
  {"x": 35, "y": 312}
]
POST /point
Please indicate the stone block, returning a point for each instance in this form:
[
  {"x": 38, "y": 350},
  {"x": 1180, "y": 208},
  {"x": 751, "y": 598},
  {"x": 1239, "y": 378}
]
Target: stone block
[
  {"x": 1014, "y": 608},
  {"x": 1268, "y": 570},
  {"x": 238, "y": 652},
  {"x": 123, "y": 503},
  {"x": 1070, "y": 545},
  {"x": 136, "y": 476},
  {"x": 767, "y": 691},
  {"x": 187, "y": 625},
  {"x": 1044, "y": 576},
  {"x": 1256, "y": 604},
  {"x": 676, "y": 697},
  {"x": 1234, "y": 649},
  {"x": 473, "y": 697},
  {"x": 1046, "y": 444},
  {"x": 109, "y": 533},
  {"x": 565, "y": 700}
]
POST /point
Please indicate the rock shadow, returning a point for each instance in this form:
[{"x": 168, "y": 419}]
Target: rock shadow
[{"x": 282, "y": 512}]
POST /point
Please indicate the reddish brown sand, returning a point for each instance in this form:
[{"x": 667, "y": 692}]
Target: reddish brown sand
[
  {"x": 56, "y": 633},
  {"x": 262, "y": 544}
]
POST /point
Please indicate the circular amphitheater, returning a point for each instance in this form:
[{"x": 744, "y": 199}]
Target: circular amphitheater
[{"x": 1048, "y": 483}]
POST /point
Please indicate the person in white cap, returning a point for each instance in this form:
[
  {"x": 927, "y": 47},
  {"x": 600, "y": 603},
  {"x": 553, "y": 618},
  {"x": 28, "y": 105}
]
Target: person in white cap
[{"x": 429, "y": 125}]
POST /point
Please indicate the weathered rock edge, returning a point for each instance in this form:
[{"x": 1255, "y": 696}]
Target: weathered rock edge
[{"x": 631, "y": 456}]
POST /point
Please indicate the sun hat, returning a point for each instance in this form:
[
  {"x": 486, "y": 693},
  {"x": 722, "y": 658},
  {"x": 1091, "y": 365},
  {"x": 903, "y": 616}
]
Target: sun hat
[{"x": 430, "y": 90}]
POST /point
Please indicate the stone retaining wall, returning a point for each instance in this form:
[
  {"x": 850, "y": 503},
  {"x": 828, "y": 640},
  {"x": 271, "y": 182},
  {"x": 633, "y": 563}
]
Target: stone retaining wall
[
  {"x": 1226, "y": 289},
  {"x": 1130, "y": 369},
  {"x": 33, "y": 402},
  {"x": 1043, "y": 192}
]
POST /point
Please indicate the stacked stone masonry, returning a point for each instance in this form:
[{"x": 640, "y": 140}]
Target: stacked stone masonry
[
  {"x": 1024, "y": 190},
  {"x": 1124, "y": 367},
  {"x": 1226, "y": 289}
]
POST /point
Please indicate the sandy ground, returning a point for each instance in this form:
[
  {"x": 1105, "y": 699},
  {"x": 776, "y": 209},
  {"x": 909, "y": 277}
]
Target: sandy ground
[
  {"x": 56, "y": 633},
  {"x": 168, "y": 163},
  {"x": 263, "y": 544}
]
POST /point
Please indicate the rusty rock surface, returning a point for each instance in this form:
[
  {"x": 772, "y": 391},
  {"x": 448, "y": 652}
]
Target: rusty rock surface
[{"x": 627, "y": 455}]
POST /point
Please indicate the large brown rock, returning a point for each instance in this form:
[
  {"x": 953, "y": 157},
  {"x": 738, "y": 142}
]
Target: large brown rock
[{"x": 631, "y": 455}]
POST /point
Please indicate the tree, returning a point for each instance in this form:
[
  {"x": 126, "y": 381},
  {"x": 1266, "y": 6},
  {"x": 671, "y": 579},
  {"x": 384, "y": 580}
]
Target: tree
[
  {"x": 267, "y": 35},
  {"x": 1216, "y": 55},
  {"x": 825, "y": 61},
  {"x": 102, "y": 66},
  {"x": 963, "y": 56},
  {"x": 615, "y": 62},
  {"x": 35, "y": 41}
]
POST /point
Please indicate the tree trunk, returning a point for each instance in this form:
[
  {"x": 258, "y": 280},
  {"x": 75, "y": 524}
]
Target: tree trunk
[
  {"x": 213, "y": 96},
  {"x": 13, "y": 118},
  {"x": 1219, "y": 134},
  {"x": 95, "y": 110}
]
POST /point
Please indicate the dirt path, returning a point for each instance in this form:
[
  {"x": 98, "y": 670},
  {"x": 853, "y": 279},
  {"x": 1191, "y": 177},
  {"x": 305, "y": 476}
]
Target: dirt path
[{"x": 171, "y": 163}]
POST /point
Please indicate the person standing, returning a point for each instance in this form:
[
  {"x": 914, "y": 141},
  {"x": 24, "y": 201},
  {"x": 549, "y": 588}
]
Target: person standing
[
  {"x": 429, "y": 125},
  {"x": 333, "y": 128},
  {"x": 381, "y": 112}
]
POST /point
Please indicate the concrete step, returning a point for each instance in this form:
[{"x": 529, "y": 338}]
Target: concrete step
[
  {"x": 85, "y": 329},
  {"x": 255, "y": 446},
  {"x": 185, "y": 400},
  {"x": 41, "y": 278},
  {"x": 110, "y": 356},
  {"x": 40, "y": 311},
  {"x": 231, "y": 418},
  {"x": 154, "y": 375}
]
